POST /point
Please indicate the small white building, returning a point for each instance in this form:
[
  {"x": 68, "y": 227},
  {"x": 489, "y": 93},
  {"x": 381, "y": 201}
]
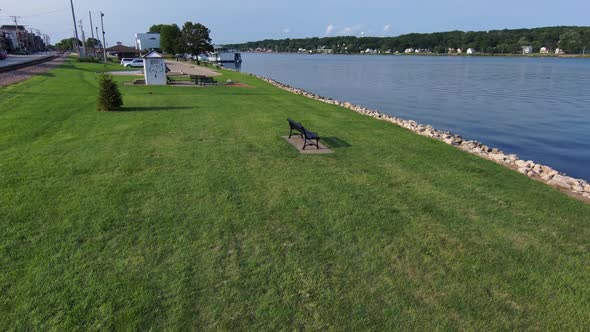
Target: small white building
[
  {"x": 147, "y": 41},
  {"x": 470, "y": 51},
  {"x": 527, "y": 49},
  {"x": 409, "y": 50},
  {"x": 154, "y": 69},
  {"x": 559, "y": 51},
  {"x": 544, "y": 50},
  {"x": 459, "y": 51}
]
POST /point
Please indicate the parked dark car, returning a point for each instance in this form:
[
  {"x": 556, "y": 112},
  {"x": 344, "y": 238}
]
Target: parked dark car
[{"x": 3, "y": 55}]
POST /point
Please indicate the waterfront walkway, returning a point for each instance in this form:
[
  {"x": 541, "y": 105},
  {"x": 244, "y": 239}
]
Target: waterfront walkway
[{"x": 189, "y": 68}]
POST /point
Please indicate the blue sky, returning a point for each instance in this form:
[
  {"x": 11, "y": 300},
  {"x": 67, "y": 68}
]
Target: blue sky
[{"x": 238, "y": 21}]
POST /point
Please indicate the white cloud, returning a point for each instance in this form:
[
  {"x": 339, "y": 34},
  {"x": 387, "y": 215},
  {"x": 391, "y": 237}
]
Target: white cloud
[
  {"x": 349, "y": 31},
  {"x": 286, "y": 30},
  {"x": 386, "y": 28},
  {"x": 329, "y": 29}
]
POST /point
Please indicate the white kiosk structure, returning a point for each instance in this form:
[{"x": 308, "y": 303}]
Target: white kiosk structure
[{"x": 154, "y": 69}]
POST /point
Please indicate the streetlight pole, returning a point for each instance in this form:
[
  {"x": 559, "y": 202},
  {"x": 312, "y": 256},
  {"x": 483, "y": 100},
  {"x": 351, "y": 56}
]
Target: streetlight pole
[{"x": 104, "y": 45}]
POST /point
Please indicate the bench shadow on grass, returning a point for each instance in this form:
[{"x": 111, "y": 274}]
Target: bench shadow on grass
[
  {"x": 156, "y": 108},
  {"x": 335, "y": 142}
]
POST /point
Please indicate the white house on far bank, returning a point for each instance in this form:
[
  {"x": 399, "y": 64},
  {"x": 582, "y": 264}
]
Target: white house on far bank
[
  {"x": 544, "y": 50},
  {"x": 470, "y": 51},
  {"x": 147, "y": 41},
  {"x": 527, "y": 49}
]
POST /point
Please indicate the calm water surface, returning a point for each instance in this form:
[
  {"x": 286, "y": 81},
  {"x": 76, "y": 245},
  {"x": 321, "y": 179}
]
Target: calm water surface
[{"x": 538, "y": 108}]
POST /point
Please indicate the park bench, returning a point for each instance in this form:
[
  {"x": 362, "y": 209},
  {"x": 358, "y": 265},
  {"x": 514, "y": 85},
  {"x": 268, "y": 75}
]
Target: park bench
[
  {"x": 203, "y": 80},
  {"x": 308, "y": 136}
]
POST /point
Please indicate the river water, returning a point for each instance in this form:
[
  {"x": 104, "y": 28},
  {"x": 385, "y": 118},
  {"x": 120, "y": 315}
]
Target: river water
[{"x": 538, "y": 108}]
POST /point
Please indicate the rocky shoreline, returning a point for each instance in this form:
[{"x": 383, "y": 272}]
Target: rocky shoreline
[{"x": 578, "y": 188}]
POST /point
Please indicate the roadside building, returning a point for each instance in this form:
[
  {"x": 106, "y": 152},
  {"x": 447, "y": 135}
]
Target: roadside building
[
  {"x": 16, "y": 36},
  {"x": 4, "y": 41},
  {"x": 147, "y": 41},
  {"x": 122, "y": 51}
]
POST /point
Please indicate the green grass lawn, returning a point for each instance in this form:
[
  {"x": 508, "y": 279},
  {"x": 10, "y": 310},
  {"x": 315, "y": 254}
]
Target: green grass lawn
[{"x": 188, "y": 211}]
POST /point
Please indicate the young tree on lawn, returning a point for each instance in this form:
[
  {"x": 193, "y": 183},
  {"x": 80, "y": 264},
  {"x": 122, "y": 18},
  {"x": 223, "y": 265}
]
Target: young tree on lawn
[{"x": 109, "y": 96}]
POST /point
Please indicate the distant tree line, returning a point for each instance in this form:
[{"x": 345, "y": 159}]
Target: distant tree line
[
  {"x": 68, "y": 44},
  {"x": 192, "y": 38},
  {"x": 572, "y": 39}
]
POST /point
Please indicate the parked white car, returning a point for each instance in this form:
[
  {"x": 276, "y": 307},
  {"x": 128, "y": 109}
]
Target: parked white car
[
  {"x": 125, "y": 61},
  {"x": 134, "y": 63}
]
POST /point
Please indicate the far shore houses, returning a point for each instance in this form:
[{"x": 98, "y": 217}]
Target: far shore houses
[{"x": 510, "y": 49}]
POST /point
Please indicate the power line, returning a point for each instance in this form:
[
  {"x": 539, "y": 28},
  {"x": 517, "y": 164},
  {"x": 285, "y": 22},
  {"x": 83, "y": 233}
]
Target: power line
[{"x": 45, "y": 13}]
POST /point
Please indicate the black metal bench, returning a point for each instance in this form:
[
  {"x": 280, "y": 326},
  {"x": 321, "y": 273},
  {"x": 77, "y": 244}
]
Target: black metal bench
[
  {"x": 308, "y": 136},
  {"x": 203, "y": 80}
]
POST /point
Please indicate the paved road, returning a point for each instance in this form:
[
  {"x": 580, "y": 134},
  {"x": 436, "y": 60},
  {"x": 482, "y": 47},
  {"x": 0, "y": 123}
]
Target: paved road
[{"x": 15, "y": 59}]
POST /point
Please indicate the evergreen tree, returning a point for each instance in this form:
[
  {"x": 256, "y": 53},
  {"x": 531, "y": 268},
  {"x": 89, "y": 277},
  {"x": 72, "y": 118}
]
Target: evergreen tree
[{"x": 109, "y": 96}]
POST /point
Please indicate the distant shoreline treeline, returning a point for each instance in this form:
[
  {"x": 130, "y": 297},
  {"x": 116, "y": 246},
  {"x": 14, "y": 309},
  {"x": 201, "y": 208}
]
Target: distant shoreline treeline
[{"x": 571, "y": 39}]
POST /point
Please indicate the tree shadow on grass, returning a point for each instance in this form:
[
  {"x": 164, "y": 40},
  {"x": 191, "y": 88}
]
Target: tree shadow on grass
[
  {"x": 335, "y": 142},
  {"x": 156, "y": 108}
]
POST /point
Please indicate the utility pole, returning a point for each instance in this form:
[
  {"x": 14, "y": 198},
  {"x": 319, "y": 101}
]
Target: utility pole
[
  {"x": 75, "y": 28},
  {"x": 104, "y": 44},
  {"x": 14, "y": 18},
  {"x": 92, "y": 32},
  {"x": 83, "y": 54}
]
